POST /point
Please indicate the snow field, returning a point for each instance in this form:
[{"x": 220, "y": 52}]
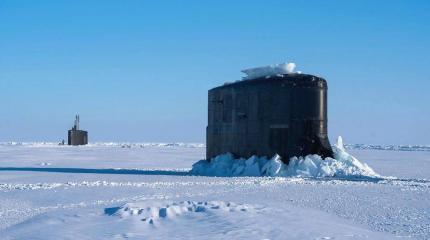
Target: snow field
[{"x": 96, "y": 192}]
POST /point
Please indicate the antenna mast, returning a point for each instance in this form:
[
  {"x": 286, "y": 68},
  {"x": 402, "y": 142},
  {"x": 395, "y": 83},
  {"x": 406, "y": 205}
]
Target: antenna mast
[
  {"x": 77, "y": 122},
  {"x": 76, "y": 125}
]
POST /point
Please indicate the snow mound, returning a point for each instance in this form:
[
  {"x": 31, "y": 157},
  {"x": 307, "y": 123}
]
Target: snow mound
[
  {"x": 343, "y": 165},
  {"x": 151, "y": 214},
  {"x": 267, "y": 71},
  {"x": 44, "y": 164}
]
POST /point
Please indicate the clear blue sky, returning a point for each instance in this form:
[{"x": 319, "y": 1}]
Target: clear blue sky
[{"x": 140, "y": 70}]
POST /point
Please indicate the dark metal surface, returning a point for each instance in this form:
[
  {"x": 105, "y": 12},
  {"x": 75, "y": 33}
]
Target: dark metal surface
[
  {"x": 285, "y": 115},
  {"x": 77, "y": 137}
]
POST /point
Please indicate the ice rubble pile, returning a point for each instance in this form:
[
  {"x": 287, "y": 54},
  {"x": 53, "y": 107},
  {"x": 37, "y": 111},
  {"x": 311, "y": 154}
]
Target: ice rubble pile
[
  {"x": 343, "y": 165},
  {"x": 271, "y": 70}
]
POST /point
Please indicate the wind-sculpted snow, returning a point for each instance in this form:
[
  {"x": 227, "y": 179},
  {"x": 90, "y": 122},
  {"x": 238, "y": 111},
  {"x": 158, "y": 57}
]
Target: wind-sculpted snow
[
  {"x": 343, "y": 165},
  {"x": 153, "y": 214}
]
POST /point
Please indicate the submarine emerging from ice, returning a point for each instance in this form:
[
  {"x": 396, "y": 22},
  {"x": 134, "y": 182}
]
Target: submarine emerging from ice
[
  {"x": 272, "y": 111},
  {"x": 76, "y": 136}
]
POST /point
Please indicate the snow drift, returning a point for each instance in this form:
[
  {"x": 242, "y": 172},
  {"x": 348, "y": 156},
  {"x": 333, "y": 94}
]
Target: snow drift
[{"x": 343, "y": 165}]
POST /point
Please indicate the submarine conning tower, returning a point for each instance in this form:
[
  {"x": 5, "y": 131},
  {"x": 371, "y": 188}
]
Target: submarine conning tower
[
  {"x": 283, "y": 114},
  {"x": 76, "y": 136}
]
